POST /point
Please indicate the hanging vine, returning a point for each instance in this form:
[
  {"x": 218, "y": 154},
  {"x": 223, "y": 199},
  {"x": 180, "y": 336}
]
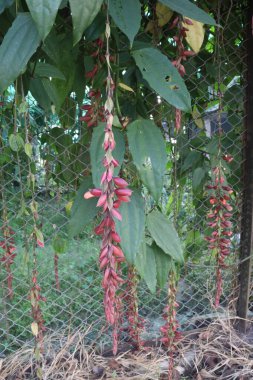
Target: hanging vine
[
  {"x": 135, "y": 322},
  {"x": 113, "y": 191},
  {"x": 219, "y": 191}
]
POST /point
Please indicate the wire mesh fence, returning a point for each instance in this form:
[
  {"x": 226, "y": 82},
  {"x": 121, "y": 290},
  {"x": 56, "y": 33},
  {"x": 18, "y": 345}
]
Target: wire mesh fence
[{"x": 69, "y": 277}]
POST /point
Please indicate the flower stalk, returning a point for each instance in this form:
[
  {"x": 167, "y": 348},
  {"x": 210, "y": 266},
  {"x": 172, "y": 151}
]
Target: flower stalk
[
  {"x": 9, "y": 249},
  {"x": 219, "y": 221},
  {"x": 170, "y": 333},
  {"x": 112, "y": 193},
  {"x": 182, "y": 55},
  {"x": 135, "y": 322}
]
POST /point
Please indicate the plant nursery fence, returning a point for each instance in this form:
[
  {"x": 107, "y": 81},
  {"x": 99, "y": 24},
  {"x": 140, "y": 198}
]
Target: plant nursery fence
[{"x": 221, "y": 88}]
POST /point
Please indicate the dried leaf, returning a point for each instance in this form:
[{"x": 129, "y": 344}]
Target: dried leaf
[
  {"x": 125, "y": 87},
  {"x": 204, "y": 374},
  {"x": 35, "y": 328},
  {"x": 195, "y": 34}
]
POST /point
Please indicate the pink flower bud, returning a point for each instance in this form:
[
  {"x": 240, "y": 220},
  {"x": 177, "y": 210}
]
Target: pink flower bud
[
  {"x": 116, "y": 214},
  {"x": 115, "y": 162},
  {"x": 123, "y": 192},
  {"x": 102, "y": 200},
  {"x": 188, "y": 53},
  {"x": 40, "y": 243},
  {"x": 103, "y": 177},
  {"x": 109, "y": 174},
  {"x": 116, "y": 237},
  {"x": 117, "y": 203},
  {"x": 99, "y": 230},
  {"x": 103, "y": 263},
  {"x": 117, "y": 251},
  {"x": 88, "y": 195},
  {"x": 188, "y": 22},
  {"x": 96, "y": 192},
  {"x": 120, "y": 182},
  {"x": 123, "y": 199}
]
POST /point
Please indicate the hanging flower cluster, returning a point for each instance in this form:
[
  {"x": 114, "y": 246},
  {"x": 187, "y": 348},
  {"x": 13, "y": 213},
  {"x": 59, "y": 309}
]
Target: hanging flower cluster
[
  {"x": 94, "y": 112},
  {"x": 135, "y": 322},
  {"x": 36, "y": 298},
  {"x": 219, "y": 221},
  {"x": 170, "y": 333},
  {"x": 182, "y": 55},
  {"x": 9, "y": 248},
  {"x": 113, "y": 191}
]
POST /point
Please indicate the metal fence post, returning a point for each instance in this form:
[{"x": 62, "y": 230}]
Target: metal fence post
[{"x": 247, "y": 205}]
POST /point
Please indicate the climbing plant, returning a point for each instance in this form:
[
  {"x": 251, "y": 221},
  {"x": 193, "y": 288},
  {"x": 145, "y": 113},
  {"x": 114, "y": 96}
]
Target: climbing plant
[{"x": 93, "y": 68}]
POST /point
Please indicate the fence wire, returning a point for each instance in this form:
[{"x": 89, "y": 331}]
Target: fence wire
[{"x": 60, "y": 152}]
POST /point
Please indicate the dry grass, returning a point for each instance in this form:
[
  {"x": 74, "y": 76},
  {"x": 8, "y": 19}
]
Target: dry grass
[
  {"x": 217, "y": 352},
  {"x": 69, "y": 358}
]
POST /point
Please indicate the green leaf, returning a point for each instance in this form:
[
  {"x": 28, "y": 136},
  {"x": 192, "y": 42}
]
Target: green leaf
[
  {"x": 52, "y": 47},
  {"x": 188, "y": 9},
  {"x": 19, "y": 44},
  {"x": 28, "y": 149},
  {"x": 127, "y": 16},
  {"x": 163, "y": 265},
  {"x": 97, "y": 152},
  {"x": 16, "y": 142},
  {"x": 40, "y": 93},
  {"x": 146, "y": 266},
  {"x": 197, "y": 178},
  {"x": 163, "y": 77},
  {"x": 59, "y": 244},
  {"x": 97, "y": 27},
  {"x": 5, "y": 4},
  {"x": 66, "y": 63},
  {"x": 148, "y": 149},
  {"x": 83, "y": 13},
  {"x": 83, "y": 210},
  {"x": 192, "y": 158},
  {"x": 164, "y": 234},
  {"x": 131, "y": 229},
  {"x": 49, "y": 71},
  {"x": 43, "y": 13},
  {"x": 79, "y": 81}
]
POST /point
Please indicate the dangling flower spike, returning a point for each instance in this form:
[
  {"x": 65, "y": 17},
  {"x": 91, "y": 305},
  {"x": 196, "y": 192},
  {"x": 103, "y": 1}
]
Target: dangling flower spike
[{"x": 113, "y": 191}]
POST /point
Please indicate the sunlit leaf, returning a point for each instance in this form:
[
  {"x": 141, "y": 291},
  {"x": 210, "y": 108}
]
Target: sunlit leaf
[{"x": 195, "y": 34}]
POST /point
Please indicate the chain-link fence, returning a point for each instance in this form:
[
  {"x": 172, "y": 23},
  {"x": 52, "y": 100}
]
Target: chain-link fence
[{"x": 67, "y": 267}]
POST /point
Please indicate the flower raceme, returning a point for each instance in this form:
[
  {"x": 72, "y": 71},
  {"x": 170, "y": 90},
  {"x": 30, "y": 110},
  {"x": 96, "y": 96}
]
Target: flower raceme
[
  {"x": 219, "y": 221},
  {"x": 9, "y": 248},
  {"x": 170, "y": 333},
  {"x": 112, "y": 193},
  {"x": 182, "y": 55}
]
